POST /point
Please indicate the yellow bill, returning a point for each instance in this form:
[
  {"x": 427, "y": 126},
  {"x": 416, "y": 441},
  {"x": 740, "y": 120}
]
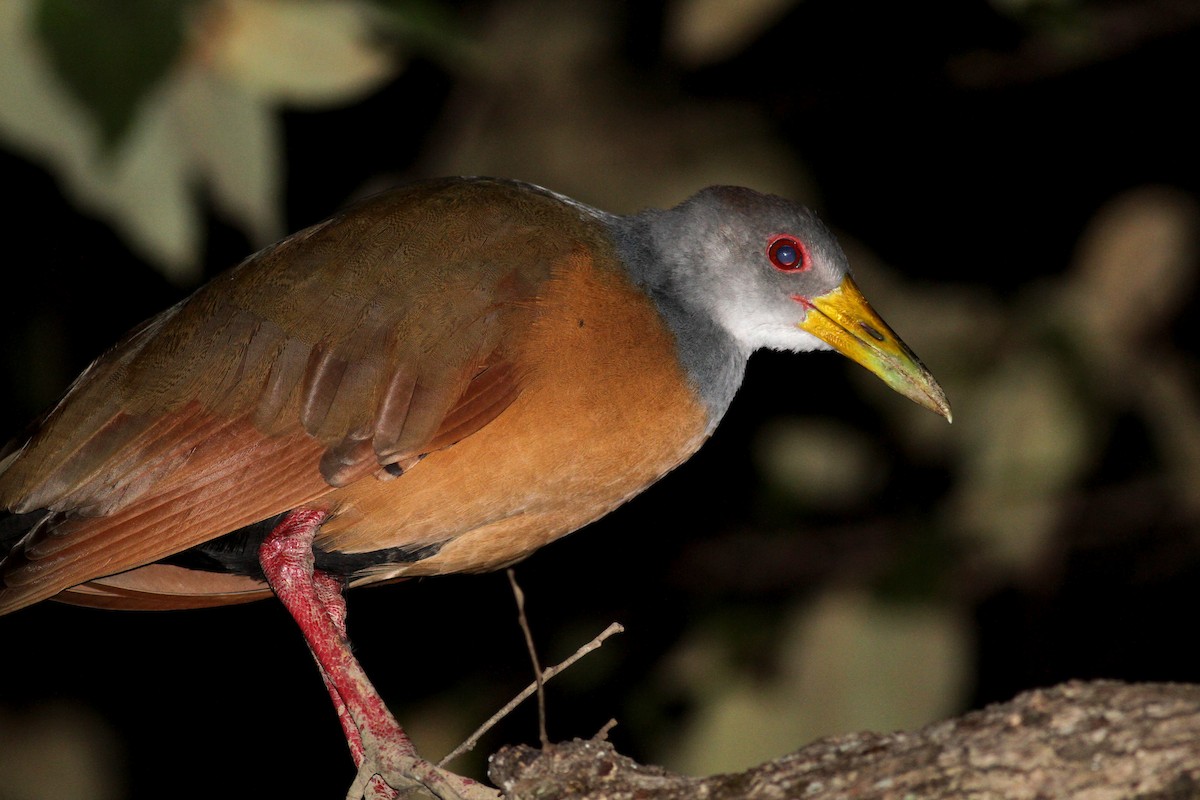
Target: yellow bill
[{"x": 843, "y": 319}]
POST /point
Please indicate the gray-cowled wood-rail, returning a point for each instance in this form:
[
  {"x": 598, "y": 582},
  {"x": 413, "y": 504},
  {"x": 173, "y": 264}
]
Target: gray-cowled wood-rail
[{"x": 442, "y": 378}]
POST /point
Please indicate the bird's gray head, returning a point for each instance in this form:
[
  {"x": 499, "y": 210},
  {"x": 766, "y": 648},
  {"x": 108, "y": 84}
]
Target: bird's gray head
[
  {"x": 750, "y": 261},
  {"x": 760, "y": 271}
]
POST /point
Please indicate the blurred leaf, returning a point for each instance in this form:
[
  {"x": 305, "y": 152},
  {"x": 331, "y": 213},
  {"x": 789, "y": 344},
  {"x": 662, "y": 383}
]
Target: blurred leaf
[
  {"x": 236, "y": 143},
  {"x": 59, "y": 751},
  {"x": 846, "y": 663},
  {"x": 1027, "y": 439},
  {"x": 426, "y": 26},
  {"x": 704, "y": 31},
  {"x": 1135, "y": 267},
  {"x": 211, "y": 118},
  {"x": 1133, "y": 275},
  {"x": 146, "y": 190},
  {"x": 306, "y": 53},
  {"x": 819, "y": 463},
  {"x": 142, "y": 187},
  {"x": 110, "y": 53},
  {"x": 1033, "y": 436}
]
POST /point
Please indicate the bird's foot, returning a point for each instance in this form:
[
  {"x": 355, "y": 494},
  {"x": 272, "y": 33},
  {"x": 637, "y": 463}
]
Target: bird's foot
[{"x": 390, "y": 773}]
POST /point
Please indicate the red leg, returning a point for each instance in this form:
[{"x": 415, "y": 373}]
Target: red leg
[
  {"x": 329, "y": 596},
  {"x": 378, "y": 743}
]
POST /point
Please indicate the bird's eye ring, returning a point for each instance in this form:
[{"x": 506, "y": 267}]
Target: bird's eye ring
[{"x": 787, "y": 254}]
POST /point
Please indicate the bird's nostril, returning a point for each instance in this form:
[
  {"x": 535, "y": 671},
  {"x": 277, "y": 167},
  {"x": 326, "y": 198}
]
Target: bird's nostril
[{"x": 874, "y": 334}]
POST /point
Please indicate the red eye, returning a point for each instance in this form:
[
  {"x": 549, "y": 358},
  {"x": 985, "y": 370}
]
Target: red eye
[{"x": 787, "y": 254}]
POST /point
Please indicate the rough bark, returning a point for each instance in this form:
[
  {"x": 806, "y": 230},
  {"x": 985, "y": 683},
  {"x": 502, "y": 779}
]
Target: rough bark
[{"x": 1099, "y": 741}]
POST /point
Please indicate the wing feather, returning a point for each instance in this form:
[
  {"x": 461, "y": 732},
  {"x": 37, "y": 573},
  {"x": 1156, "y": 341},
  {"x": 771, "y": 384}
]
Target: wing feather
[{"x": 358, "y": 344}]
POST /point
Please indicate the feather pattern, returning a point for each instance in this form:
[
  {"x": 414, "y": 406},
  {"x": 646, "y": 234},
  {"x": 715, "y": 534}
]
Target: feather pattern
[{"x": 310, "y": 366}]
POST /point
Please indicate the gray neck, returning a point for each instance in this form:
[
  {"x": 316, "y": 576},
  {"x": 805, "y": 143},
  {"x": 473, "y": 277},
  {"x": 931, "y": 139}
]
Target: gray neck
[{"x": 712, "y": 358}]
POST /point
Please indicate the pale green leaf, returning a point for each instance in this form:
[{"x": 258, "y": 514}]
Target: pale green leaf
[
  {"x": 705, "y": 31},
  {"x": 235, "y": 141},
  {"x": 149, "y": 191},
  {"x": 847, "y": 662},
  {"x": 305, "y": 53},
  {"x": 110, "y": 53},
  {"x": 819, "y": 463},
  {"x": 142, "y": 187}
]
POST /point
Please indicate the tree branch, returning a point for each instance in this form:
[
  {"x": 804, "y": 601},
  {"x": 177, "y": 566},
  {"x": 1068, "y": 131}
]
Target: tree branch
[{"x": 1096, "y": 740}]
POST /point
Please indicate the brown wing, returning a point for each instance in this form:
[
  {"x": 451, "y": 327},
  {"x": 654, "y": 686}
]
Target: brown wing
[{"x": 356, "y": 345}]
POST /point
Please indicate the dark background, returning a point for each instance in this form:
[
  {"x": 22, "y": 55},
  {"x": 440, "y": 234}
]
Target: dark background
[{"x": 963, "y": 150}]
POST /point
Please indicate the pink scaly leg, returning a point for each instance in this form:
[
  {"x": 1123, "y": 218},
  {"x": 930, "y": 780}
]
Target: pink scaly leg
[
  {"x": 329, "y": 597},
  {"x": 383, "y": 752},
  {"x": 330, "y": 600}
]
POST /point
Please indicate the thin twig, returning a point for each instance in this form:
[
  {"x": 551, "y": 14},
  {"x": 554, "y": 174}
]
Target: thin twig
[
  {"x": 537, "y": 666},
  {"x": 474, "y": 738},
  {"x": 602, "y": 734}
]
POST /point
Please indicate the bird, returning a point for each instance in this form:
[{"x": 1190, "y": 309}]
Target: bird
[{"x": 442, "y": 378}]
